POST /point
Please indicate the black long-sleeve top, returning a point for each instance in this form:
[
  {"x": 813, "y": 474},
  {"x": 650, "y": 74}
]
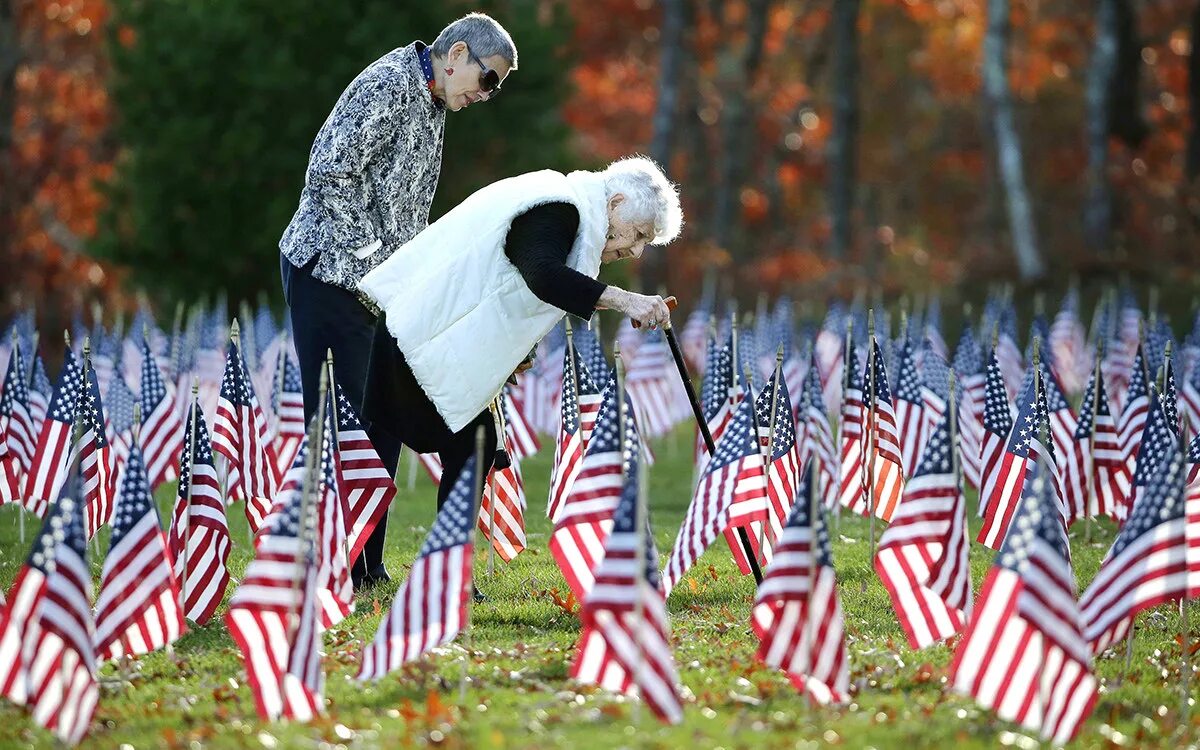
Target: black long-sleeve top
[{"x": 538, "y": 243}]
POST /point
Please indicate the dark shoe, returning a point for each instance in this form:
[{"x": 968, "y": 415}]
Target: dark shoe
[
  {"x": 478, "y": 595},
  {"x": 372, "y": 577}
]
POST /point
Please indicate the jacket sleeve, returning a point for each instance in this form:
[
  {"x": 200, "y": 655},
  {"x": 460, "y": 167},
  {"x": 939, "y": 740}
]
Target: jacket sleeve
[
  {"x": 538, "y": 244},
  {"x": 366, "y": 117}
]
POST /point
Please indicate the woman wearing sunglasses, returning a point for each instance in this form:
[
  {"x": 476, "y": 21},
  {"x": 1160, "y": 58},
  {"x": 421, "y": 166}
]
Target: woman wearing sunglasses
[
  {"x": 371, "y": 177},
  {"x": 466, "y": 300}
]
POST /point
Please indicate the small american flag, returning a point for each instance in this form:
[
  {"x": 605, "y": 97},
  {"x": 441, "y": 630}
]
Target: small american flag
[
  {"x": 118, "y": 405},
  {"x": 1148, "y": 562},
  {"x": 653, "y": 386},
  {"x": 335, "y": 591},
  {"x": 41, "y": 392},
  {"x": 1024, "y": 653},
  {"x": 997, "y": 424},
  {"x": 95, "y": 456},
  {"x": 47, "y": 652},
  {"x": 162, "y": 426},
  {"x": 1133, "y": 416},
  {"x": 816, "y": 444},
  {"x": 922, "y": 558},
  {"x": 1063, "y": 421},
  {"x": 138, "y": 608},
  {"x": 240, "y": 435},
  {"x": 625, "y": 643},
  {"x": 782, "y": 461},
  {"x": 970, "y": 369},
  {"x": 797, "y": 614},
  {"x": 886, "y": 472},
  {"x": 1190, "y": 392},
  {"x": 585, "y": 522},
  {"x": 579, "y": 404},
  {"x": 714, "y": 396},
  {"x": 505, "y": 490},
  {"x": 1008, "y": 354},
  {"x": 694, "y": 336},
  {"x": 287, "y": 401},
  {"x": 732, "y": 492},
  {"x": 830, "y": 351},
  {"x": 431, "y": 606},
  {"x": 1170, "y": 397},
  {"x": 17, "y": 444},
  {"x": 1155, "y": 445},
  {"x": 909, "y": 408},
  {"x": 1068, "y": 343},
  {"x": 1094, "y": 476},
  {"x": 365, "y": 485},
  {"x": 48, "y": 470},
  {"x": 853, "y": 416},
  {"x": 524, "y": 436},
  {"x": 273, "y": 615},
  {"x": 199, "y": 522}
]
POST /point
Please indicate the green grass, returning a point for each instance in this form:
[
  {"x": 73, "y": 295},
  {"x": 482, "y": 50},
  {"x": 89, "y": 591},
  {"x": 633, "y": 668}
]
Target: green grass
[{"x": 521, "y": 644}]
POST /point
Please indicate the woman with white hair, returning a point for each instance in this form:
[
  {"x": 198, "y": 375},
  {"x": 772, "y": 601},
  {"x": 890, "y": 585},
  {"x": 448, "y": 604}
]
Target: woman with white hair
[{"x": 466, "y": 300}]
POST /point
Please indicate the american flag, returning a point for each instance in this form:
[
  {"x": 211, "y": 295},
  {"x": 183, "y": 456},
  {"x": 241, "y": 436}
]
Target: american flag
[
  {"x": 505, "y": 490},
  {"x": 909, "y": 408},
  {"x": 274, "y": 614},
  {"x": 335, "y": 591},
  {"x": 577, "y": 542},
  {"x": 118, "y": 404},
  {"x": 652, "y": 385},
  {"x": 1068, "y": 343},
  {"x": 524, "y": 436},
  {"x": 1024, "y": 653},
  {"x": 95, "y": 456},
  {"x": 694, "y": 336},
  {"x": 364, "y": 483},
  {"x": 830, "y": 351},
  {"x": 1007, "y": 353},
  {"x": 732, "y": 492},
  {"x": 1063, "y": 421},
  {"x": 162, "y": 426},
  {"x": 625, "y": 642},
  {"x": 47, "y": 652},
  {"x": 816, "y": 443},
  {"x": 854, "y": 415},
  {"x": 714, "y": 395},
  {"x": 430, "y": 608},
  {"x": 41, "y": 392},
  {"x": 922, "y": 558},
  {"x": 970, "y": 369},
  {"x": 1190, "y": 392},
  {"x": 240, "y": 435},
  {"x": 287, "y": 401},
  {"x": 797, "y": 613},
  {"x": 1004, "y": 486},
  {"x": 782, "y": 460},
  {"x": 886, "y": 473},
  {"x": 1095, "y": 476},
  {"x": 935, "y": 393},
  {"x": 48, "y": 470},
  {"x": 199, "y": 521},
  {"x": 997, "y": 425},
  {"x": 17, "y": 444},
  {"x": 579, "y": 404},
  {"x": 1148, "y": 562},
  {"x": 1133, "y": 415},
  {"x": 1155, "y": 442},
  {"x": 1170, "y": 397},
  {"x": 138, "y": 608}
]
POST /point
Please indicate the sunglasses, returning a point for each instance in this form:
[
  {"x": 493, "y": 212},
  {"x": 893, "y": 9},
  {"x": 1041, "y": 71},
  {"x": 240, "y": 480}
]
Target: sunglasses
[{"x": 489, "y": 80}]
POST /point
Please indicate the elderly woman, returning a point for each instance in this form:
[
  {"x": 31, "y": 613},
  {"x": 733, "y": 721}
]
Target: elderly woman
[
  {"x": 466, "y": 300},
  {"x": 369, "y": 184}
]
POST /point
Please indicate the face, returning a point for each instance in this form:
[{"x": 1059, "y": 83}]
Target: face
[
  {"x": 462, "y": 88},
  {"x": 626, "y": 239}
]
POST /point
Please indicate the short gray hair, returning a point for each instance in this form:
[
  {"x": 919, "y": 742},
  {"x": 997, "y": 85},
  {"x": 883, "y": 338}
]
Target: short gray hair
[
  {"x": 649, "y": 195},
  {"x": 483, "y": 35}
]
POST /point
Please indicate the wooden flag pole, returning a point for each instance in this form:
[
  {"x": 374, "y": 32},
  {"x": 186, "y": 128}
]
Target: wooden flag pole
[
  {"x": 462, "y": 684},
  {"x": 869, "y": 429},
  {"x": 771, "y": 448}
]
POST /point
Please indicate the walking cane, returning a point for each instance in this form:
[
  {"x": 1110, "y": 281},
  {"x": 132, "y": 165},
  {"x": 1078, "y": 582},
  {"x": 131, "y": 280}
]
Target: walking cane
[{"x": 681, "y": 365}]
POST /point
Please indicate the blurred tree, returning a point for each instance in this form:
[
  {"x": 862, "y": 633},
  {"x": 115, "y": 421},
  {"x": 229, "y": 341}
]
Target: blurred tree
[
  {"x": 842, "y": 153},
  {"x": 219, "y": 104},
  {"x": 1097, "y": 218}
]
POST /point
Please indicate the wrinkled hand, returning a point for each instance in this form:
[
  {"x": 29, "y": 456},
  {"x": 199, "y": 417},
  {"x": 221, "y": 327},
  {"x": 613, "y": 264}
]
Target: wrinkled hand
[{"x": 648, "y": 310}]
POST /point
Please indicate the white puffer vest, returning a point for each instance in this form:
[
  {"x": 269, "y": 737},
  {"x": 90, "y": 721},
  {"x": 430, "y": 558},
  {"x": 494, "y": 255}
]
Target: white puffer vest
[{"x": 459, "y": 309}]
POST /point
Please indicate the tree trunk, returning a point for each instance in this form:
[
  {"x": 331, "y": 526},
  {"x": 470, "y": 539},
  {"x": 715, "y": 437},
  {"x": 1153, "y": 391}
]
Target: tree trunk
[
  {"x": 737, "y": 127},
  {"x": 1097, "y": 213},
  {"x": 1193, "y": 86},
  {"x": 1008, "y": 142},
  {"x": 9, "y": 58},
  {"x": 843, "y": 142},
  {"x": 1125, "y": 120},
  {"x": 666, "y": 114}
]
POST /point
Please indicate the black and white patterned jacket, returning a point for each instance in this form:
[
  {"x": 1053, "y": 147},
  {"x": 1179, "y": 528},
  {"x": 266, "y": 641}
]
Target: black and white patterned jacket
[{"x": 371, "y": 174}]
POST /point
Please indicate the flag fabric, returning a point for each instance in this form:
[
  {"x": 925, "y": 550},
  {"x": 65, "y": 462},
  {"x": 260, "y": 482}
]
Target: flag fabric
[
  {"x": 884, "y": 475},
  {"x": 714, "y": 396},
  {"x": 923, "y": 554},
  {"x": 971, "y": 371},
  {"x": 47, "y": 636},
  {"x": 1133, "y": 415},
  {"x": 1024, "y": 654},
  {"x": 852, "y": 493},
  {"x": 694, "y": 336},
  {"x": 1170, "y": 396},
  {"x": 162, "y": 425},
  {"x": 366, "y": 486},
  {"x": 430, "y": 608},
  {"x": 505, "y": 492},
  {"x": 17, "y": 437},
  {"x": 240, "y": 436},
  {"x": 578, "y": 406},
  {"x": 1063, "y": 421},
  {"x": 138, "y": 608},
  {"x": 816, "y": 438},
  {"x": 1148, "y": 563},
  {"x": 1095, "y": 478},
  {"x": 1154, "y": 445},
  {"x": 287, "y": 401},
  {"x": 48, "y": 470},
  {"x": 1008, "y": 354},
  {"x": 997, "y": 425},
  {"x": 199, "y": 536},
  {"x": 731, "y": 493},
  {"x": 782, "y": 459},
  {"x": 524, "y": 437},
  {"x": 118, "y": 406},
  {"x": 95, "y": 456},
  {"x": 625, "y": 643},
  {"x": 650, "y": 380},
  {"x": 1190, "y": 395},
  {"x": 274, "y": 614},
  {"x": 797, "y": 614},
  {"x": 41, "y": 393},
  {"x": 829, "y": 348},
  {"x": 909, "y": 408},
  {"x": 334, "y": 589},
  {"x": 1068, "y": 343}
]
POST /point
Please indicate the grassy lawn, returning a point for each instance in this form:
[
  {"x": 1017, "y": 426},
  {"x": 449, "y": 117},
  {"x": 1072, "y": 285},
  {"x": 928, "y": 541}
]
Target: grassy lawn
[{"x": 521, "y": 644}]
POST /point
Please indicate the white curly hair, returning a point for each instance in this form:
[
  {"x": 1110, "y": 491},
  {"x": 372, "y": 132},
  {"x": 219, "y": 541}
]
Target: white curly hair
[{"x": 649, "y": 196}]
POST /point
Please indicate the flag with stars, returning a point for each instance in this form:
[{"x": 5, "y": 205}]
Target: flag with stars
[
  {"x": 431, "y": 606},
  {"x": 47, "y": 652},
  {"x": 138, "y": 607},
  {"x": 162, "y": 424},
  {"x": 625, "y": 643},
  {"x": 816, "y": 438},
  {"x": 1095, "y": 478},
  {"x": 17, "y": 437},
  {"x": 335, "y": 591},
  {"x": 1155, "y": 444},
  {"x": 884, "y": 475},
  {"x": 1170, "y": 397},
  {"x": 922, "y": 557},
  {"x": 714, "y": 396},
  {"x": 1148, "y": 563},
  {"x": 579, "y": 403},
  {"x": 854, "y": 417},
  {"x": 782, "y": 454},
  {"x": 1024, "y": 654},
  {"x": 732, "y": 492},
  {"x": 1135, "y": 411},
  {"x": 274, "y": 614},
  {"x": 48, "y": 470},
  {"x": 41, "y": 393},
  {"x": 909, "y": 407},
  {"x": 797, "y": 613},
  {"x": 95, "y": 456},
  {"x": 240, "y": 436},
  {"x": 365, "y": 485},
  {"x": 1190, "y": 392},
  {"x": 118, "y": 405},
  {"x": 970, "y": 369},
  {"x": 1063, "y": 421},
  {"x": 694, "y": 336},
  {"x": 287, "y": 401},
  {"x": 997, "y": 425},
  {"x": 199, "y": 536}
]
